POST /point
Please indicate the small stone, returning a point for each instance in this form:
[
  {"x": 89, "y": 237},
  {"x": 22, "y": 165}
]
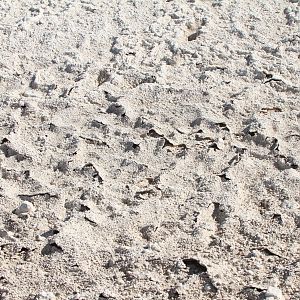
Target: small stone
[
  {"x": 26, "y": 207},
  {"x": 40, "y": 238},
  {"x": 180, "y": 265},
  {"x": 208, "y": 287},
  {"x": 6, "y": 235},
  {"x": 274, "y": 293},
  {"x": 155, "y": 247},
  {"x": 45, "y": 296},
  {"x": 220, "y": 143},
  {"x": 29, "y": 94}
]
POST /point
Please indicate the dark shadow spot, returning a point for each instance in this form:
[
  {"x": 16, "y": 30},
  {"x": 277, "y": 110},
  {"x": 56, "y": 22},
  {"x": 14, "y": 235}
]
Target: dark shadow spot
[
  {"x": 116, "y": 109},
  {"x": 278, "y": 218},
  {"x": 33, "y": 83},
  {"x": 214, "y": 146},
  {"x": 202, "y": 138},
  {"x": 131, "y": 146},
  {"x": 64, "y": 94},
  {"x": 154, "y": 134},
  {"x": 167, "y": 143},
  {"x": 30, "y": 198},
  {"x": 142, "y": 123},
  {"x": 219, "y": 214},
  {"x": 297, "y": 221},
  {"x": 268, "y": 76},
  {"x": 223, "y": 126},
  {"x": 154, "y": 180},
  {"x": 50, "y": 232},
  {"x": 173, "y": 294},
  {"x": 90, "y": 171},
  {"x": 52, "y": 127},
  {"x": 146, "y": 193},
  {"x": 62, "y": 166},
  {"x": 194, "y": 267},
  {"x": 99, "y": 125},
  {"x": 51, "y": 248},
  {"x": 93, "y": 223},
  {"x": 265, "y": 110},
  {"x": 196, "y": 122},
  {"x": 24, "y": 249},
  {"x": 3, "y": 293},
  {"x": 265, "y": 204},
  {"x": 268, "y": 252},
  {"x": 148, "y": 231},
  {"x": 284, "y": 163},
  {"x": 103, "y": 76},
  {"x": 8, "y": 152},
  {"x": 83, "y": 208},
  {"x": 103, "y": 297},
  {"x": 4, "y": 141},
  {"x": 252, "y": 293},
  {"x": 193, "y": 36},
  {"x": 224, "y": 177},
  {"x": 26, "y": 174},
  {"x": 149, "y": 79},
  {"x": 109, "y": 97}
]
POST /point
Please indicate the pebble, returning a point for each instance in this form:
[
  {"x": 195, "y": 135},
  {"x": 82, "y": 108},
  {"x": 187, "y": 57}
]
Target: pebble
[
  {"x": 6, "y": 235},
  {"x": 29, "y": 94},
  {"x": 155, "y": 247},
  {"x": 46, "y": 296},
  {"x": 40, "y": 238},
  {"x": 208, "y": 287},
  {"x": 220, "y": 143},
  {"x": 25, "y": 207},
  {"x": 274, "y": 293},
  {"x": 180, "y": 265}
]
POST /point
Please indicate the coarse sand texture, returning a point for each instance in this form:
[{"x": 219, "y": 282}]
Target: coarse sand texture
[{"x": 149, "y": 149}]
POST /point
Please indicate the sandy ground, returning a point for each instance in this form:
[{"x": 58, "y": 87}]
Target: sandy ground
[{"x": 149, "y": 149}]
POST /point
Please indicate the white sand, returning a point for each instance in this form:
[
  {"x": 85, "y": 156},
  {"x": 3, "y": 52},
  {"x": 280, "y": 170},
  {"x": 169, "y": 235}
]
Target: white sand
[{"x": 158, "y": 143}]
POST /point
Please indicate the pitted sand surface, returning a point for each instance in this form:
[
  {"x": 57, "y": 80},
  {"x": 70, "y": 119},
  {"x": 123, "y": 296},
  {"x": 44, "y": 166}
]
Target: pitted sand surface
[{"x": 149, "y": 149}]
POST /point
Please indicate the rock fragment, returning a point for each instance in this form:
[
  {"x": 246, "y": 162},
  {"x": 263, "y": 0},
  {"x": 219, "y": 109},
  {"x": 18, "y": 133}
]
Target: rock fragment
[
  {"x": 25, "y": 207},
  {"x": 45, "y": 296},
  {"x": 7, "y": 235},
  {"x": 274, "y": 293}
]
